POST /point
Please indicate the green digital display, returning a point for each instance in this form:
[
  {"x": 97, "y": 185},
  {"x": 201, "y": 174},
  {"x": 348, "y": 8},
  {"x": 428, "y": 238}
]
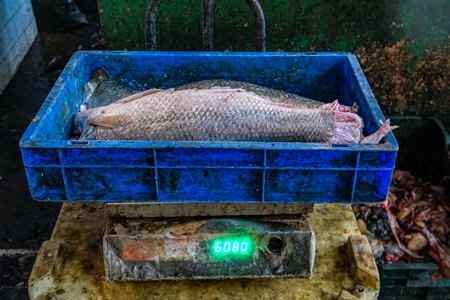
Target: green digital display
[{"x": 229, "y": 247}]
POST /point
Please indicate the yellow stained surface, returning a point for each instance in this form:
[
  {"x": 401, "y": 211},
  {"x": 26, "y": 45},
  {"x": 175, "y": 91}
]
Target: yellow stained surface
[{"x": 70, "y": 265}]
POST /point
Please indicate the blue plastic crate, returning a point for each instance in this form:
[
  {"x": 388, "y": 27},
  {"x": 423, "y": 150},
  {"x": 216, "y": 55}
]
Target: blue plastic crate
[{"x": 147, "y": 171}]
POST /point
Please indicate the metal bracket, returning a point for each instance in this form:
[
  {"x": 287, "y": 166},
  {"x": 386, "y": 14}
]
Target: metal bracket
[{"x": 208, "y": 25}]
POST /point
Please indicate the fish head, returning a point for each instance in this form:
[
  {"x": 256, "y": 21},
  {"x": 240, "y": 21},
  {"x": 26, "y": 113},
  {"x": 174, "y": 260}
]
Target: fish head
[{"x": 81, "y": 128}]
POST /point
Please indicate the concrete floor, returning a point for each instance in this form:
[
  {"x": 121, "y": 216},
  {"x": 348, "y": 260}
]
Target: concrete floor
[{"x": 25, "y": 223}]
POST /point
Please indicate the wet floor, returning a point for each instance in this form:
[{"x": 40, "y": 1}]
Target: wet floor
[{"x": 25, "y": 223}]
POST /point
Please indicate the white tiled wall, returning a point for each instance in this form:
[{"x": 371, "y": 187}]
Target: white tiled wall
[{"x": 17, "y": 33}]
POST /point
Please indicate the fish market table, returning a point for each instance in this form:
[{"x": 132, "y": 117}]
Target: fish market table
[{"x": 70, "y": 265}]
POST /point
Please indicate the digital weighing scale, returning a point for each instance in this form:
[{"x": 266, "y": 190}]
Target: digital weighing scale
[
  {"x": 71, "y": 264},
  {"x": 219, "y": 247}
]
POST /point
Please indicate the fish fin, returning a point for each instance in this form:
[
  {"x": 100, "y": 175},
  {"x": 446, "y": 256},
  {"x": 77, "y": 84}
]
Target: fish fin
[
  {"x": 138, "y": 95},
  {"x": 111, "y": 121},
  {"x": 376, "y": 137}
]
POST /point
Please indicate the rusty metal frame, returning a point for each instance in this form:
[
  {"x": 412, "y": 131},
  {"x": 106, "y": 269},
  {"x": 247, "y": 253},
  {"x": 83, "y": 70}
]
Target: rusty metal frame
[{"x": 208, "y": 25}]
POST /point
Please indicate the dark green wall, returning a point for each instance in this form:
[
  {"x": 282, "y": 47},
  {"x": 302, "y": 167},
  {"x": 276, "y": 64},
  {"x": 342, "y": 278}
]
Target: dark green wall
[{"x": 292, "y": 25}]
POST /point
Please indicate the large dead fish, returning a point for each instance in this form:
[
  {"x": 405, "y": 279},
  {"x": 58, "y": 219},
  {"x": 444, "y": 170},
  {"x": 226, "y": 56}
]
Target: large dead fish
[
  {"x": 204, "y": 115},
  {"x": 220, "y": 114},
  {"x": 270, "y": 94}
]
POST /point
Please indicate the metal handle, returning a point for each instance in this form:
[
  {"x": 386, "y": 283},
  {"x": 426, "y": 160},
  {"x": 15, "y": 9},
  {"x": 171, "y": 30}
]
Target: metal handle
[
  {"x": 260, "y": 39},
  {"x": 150, "y": 25},
  {"x": 208, "y": 25}
]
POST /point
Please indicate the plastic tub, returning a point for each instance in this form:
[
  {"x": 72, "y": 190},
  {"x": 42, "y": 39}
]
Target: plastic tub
[{"x": 145, "y": 171}]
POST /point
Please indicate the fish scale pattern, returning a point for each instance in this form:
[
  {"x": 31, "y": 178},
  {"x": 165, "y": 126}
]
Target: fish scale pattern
[
  {"x": 207, "y": 115},
  {"x": 274, "y": 95}
]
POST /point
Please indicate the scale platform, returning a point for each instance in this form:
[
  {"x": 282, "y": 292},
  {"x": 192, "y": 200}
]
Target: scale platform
[
  {"x": 234, "y": 240},
  {"x": 209, "y": 248},
  {"x": 72, "y": 266}
]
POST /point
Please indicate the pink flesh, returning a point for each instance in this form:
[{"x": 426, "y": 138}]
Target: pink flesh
[
  {"x": 351, "y": 118},
  {"x": 377, "y": 136},
  {"x": 336, "y": 106},
  {"x": 345, "y": 134},
  {"x": 395, "y": 228},
  {"x": 437, "y": 252},
  {"x": 393, "y": 258},
  {"x": 76, "y": 134},
  {"x": 347, "y": 128},
  {"x": 348, "y": 125}
]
